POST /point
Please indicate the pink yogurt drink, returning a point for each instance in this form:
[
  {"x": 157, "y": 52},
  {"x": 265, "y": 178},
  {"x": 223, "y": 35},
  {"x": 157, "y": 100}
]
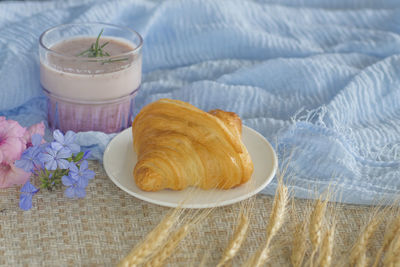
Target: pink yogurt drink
[{"x": 90, "y": 73}]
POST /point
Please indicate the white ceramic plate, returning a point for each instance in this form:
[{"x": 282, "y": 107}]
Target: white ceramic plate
[{"x": 120, "y": 159}]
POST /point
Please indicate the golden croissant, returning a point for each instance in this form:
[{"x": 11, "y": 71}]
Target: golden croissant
[{"x": 179, "y": 145}]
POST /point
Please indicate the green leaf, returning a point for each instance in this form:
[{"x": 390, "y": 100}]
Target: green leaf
[
  {"x": 79, "y": 156},
  {"x": 103, "y": 45},
  {"x": 98, "y": 39},
  {"x": 113, "y": 60},
  {"x": 96, "y": 50}
]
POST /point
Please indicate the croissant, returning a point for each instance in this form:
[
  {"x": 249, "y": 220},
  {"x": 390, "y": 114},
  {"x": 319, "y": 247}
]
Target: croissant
[{"x": 179, "y": 145}]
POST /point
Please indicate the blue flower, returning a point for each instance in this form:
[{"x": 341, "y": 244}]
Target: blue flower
[
  {"x": 82, "y": 174},
  {"x": 86, "y": 155},
  {"x": 74, "y": 187},
  {"x": 27, "y": 192},
  {"x": 73, "y": 190},
  {"x": 53, "y": 158},
  {"x": 29, "y": 159},
  {"x": 65, "y": 142},
  {"x": 36, "y": 140}
]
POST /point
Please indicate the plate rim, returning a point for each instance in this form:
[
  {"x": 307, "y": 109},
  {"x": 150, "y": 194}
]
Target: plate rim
[{"x": 267, "y": 181}]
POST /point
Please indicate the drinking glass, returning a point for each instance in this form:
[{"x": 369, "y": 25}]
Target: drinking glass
[{"x": 90, "y": 93}]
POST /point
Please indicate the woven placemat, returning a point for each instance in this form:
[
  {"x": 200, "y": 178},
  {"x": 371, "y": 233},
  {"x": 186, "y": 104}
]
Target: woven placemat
[{"x": 102, "y": 228}]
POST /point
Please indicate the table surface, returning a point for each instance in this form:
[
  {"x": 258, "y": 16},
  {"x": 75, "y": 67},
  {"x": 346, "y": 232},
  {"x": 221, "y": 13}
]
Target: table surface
[{"x": 102, "y": 228}]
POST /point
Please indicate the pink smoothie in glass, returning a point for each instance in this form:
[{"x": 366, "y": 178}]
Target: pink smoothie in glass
[{"x": 90, "y": 94}]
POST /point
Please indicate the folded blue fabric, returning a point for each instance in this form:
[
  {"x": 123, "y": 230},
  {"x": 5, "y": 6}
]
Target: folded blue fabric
[{"x": 320, "y": 80}]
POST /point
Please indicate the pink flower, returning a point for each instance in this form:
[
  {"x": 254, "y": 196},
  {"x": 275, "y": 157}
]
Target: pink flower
[
  {"x": 34, "y": 129},
  {"x": 11, "y": 175},
  {"x": 12, "y": 141}
]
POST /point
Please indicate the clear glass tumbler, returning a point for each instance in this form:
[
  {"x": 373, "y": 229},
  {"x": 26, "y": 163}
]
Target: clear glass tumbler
[{"x": 90, "y": 73}]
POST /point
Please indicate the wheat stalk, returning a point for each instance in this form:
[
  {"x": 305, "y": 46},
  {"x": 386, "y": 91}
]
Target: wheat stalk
[
  {"x": 192, "y": 218},
  {"x": 274, "y": 224},
  {"x": 392, "y": 256},
  {"x": 325, "y": 257},
  {"x": 299, "y": 244},
  {"x": 239, "y": 236},
  {"x": 315, "y": 227},
  {"x": 300, "y": 241},
  {"x": 358, "y": 252},
  {"x": 204, "y": 259},
  {"x": 152, "y": 241},
  {"x": 237, "y": 240},
  {"x": 278, "y": 211},
  {"x": 391, "y": 231},
  {"x": 362, "y": 261},
  {"x": 169, "y": 247}
]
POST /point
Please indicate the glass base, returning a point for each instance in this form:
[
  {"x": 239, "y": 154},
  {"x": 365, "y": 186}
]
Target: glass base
[{"x": 110, "y": 116}]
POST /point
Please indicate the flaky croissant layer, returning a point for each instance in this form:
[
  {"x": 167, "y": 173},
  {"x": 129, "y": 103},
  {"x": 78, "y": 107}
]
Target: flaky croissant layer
[{"x": 179, "y": 145}]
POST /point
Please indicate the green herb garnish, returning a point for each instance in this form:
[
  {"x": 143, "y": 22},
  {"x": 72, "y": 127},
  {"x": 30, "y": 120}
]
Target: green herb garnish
[{"x": 96, "y": 50}]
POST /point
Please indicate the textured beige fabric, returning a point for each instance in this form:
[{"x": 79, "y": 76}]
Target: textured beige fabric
[{"x": 101, "y": 228}]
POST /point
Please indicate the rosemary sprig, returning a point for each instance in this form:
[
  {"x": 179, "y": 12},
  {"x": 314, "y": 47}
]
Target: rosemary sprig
[
  {"x": 96, "y": 50},
  {"x": 113, "y": 60}
]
